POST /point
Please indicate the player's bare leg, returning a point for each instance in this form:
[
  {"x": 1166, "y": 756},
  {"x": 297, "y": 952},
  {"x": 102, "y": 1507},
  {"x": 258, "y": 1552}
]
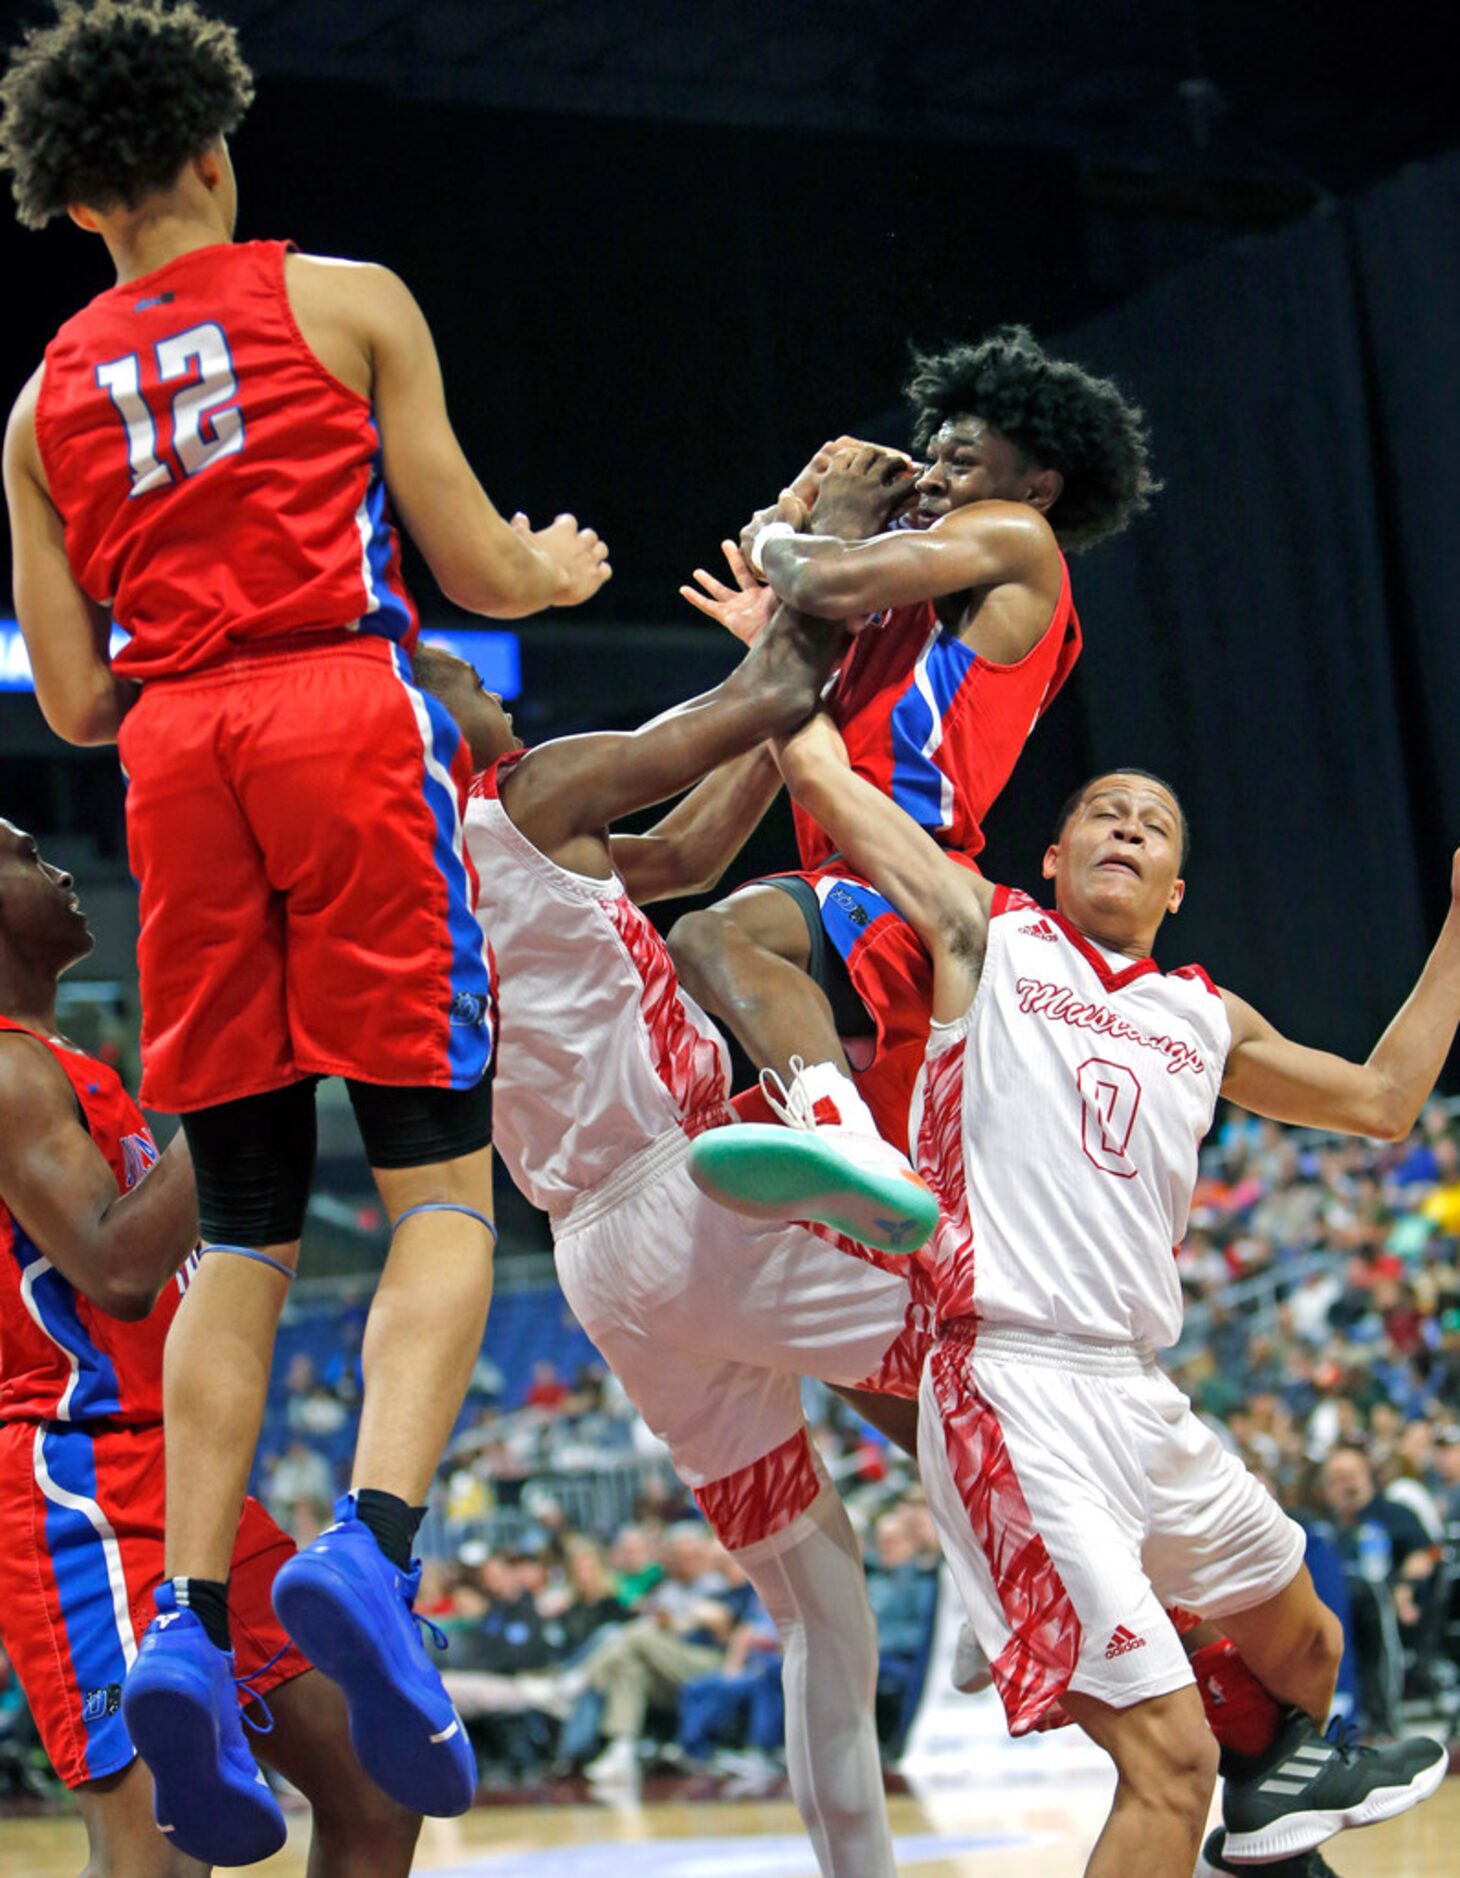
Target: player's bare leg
[
  {"x": 745, "y": 961},
  {"x": 121, "y": 1834},
  {"x": 425, "y": 1328},
  {"x": 215, "y": 1385},
  {"x": 1166, "y": 1761},
  {"x": 1292, "y": 1643},
  {"x": 348, "y": 1600},
  {"x": 357, "y": 1831},
  {"x": 1305, "y": 1786}
]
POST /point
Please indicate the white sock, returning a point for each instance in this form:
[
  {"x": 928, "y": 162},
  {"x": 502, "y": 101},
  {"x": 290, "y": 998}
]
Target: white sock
[
  {"x": 826, "y": 1080},
  {"x": 810, "y": 1580}
]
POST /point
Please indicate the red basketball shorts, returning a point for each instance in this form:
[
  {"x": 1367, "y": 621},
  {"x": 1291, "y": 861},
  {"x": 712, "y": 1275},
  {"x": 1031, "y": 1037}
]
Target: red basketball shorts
[
  {"x": 294, "y": 824},
  {"x": 82, "y": 1514},
  {"x": 891, "y": 974}
]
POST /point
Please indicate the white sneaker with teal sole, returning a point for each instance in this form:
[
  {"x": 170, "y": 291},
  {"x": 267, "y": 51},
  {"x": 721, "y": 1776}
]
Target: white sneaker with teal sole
[{"x": 827, "y": 1164}]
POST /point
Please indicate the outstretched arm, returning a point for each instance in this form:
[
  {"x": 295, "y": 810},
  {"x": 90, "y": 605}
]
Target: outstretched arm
[
  {"x": 1271, "y": 1075},
  {"x": 118, "y": 1249},
  {"x": 688, "y": 850},
  {"x": 576, "y": 787},
  {"x": 478, "y": 559},
  {"x": 945, "y": 904},
  {"x": 984, "y": 544},
  {"x": 66, "y": 633}
]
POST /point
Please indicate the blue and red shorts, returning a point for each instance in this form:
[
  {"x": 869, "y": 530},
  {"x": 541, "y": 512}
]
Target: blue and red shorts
[
  {"x": 867, "y": 947},
  {"x": 82, "y": 1514},
  {"x": 294, "y": 824}
]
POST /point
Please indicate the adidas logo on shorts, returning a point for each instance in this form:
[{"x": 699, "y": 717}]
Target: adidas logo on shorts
[
  {"x": 1122, "y": 1643},
  {"x": 1041, "y": 929}
]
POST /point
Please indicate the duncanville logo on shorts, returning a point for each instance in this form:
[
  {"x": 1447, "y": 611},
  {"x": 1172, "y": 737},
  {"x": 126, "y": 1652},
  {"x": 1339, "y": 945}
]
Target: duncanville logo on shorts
[
  {"x": 1122, "y": 1643},
  {"x": 468, "y": 1010},
  {"x": 97, "y": 1703}
]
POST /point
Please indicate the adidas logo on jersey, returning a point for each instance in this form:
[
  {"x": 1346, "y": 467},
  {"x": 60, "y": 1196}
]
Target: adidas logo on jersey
[
  {"x": 1122, "y": 1643},
  {"x": 1041, "y": 929}
]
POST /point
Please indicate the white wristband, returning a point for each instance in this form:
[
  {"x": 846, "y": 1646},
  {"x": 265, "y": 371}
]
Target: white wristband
[{"x": 769, "y": 531}]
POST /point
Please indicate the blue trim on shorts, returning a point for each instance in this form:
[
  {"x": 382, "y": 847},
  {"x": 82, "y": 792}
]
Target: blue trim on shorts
[
  {"x": 469, "y": 1018},
  {"x": 96, "y": 1391},
  {"x": 848, "y": 912},
  {"x": 97, "y": 1665}
]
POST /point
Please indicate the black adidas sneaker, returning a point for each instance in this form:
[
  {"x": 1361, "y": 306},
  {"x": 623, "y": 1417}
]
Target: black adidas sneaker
[
  {"x": 1309, "y": 1785},
  {"x": 1214, "y": 1863}
]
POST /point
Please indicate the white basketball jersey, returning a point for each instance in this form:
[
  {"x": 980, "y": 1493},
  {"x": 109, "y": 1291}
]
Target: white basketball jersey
[
  {"x": 1059, "y": 1122},
  {"x": 600, "y": 1052}
]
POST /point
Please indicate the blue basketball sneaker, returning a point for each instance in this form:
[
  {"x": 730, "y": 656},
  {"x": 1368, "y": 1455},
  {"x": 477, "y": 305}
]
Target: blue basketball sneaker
[
  {"x": 350, "y": 1611},
  {"x": 181, "y": 1710}
]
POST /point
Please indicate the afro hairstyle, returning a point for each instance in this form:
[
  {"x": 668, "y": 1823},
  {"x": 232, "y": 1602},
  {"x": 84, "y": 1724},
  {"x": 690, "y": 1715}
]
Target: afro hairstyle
[
  {"x": 107, "y": 104},
  {"x": 1055, "y": 414}
]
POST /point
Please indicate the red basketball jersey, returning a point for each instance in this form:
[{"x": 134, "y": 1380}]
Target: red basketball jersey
[
  {"x": 219, "y": 488},
  {"x": 62, "y": 1359},
  {"x": 934, "y": 725}
]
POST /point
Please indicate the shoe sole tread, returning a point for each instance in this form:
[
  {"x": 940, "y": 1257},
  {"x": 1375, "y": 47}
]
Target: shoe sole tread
[{"x": 766, "y": 1172}]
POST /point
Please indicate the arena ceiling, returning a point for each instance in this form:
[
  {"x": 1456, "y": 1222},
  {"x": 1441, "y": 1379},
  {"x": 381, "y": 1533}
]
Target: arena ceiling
[{"x": 1244, "y": 88}]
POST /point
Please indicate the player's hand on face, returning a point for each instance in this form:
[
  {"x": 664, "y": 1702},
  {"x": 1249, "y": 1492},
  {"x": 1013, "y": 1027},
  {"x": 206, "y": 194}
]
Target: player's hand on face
[
  {"x": 579, "y": 556},
  {"x": 788, "y": 507},
  {"x": 744, "y": 609},
  {"x": 862, "y": 488},
  {"x": 806, "y": 484}
]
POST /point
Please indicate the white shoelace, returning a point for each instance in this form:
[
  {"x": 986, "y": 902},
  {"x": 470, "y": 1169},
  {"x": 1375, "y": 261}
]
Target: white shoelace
[{"x": 793, "y": 1105}]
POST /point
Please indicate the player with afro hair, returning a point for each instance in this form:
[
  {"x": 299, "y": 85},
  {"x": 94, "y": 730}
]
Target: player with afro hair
[
  {"x": 105, "y": 106},
  {"x": 1055, "y": 414},
  {"x": 953, "y": 575}
]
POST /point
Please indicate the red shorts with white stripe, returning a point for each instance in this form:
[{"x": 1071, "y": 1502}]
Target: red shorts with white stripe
[
  {"x": 82, "y": 1514},
  {"x": 294, "y": 824}
]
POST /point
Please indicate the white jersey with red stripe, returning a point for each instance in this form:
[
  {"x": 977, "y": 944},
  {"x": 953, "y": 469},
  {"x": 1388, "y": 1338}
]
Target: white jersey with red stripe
[
  {"x": 1059, "y": 1122},
  {"x": 601, "y": 1051}
]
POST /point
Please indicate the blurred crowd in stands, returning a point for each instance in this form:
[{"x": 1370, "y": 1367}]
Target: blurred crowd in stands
[
  {"x": 1323, "y": 1340},
  {"x": 590, "y": 1621}
]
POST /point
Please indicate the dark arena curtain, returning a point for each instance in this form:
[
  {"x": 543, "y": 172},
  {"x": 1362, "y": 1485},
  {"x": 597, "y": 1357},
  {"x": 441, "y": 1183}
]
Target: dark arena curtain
[{"x": 1276, "y": 635}]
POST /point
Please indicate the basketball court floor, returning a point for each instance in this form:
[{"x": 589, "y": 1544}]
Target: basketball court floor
[{"x": 1041, "y": 1832}]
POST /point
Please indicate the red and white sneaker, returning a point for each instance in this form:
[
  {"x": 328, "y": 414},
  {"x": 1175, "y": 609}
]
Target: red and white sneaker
[{"x": 828, "y": 1163}]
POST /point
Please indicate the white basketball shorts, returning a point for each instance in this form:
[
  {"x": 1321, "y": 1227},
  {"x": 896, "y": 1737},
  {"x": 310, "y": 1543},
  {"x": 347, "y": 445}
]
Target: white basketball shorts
[
  {"x": 1077, "y": 1496},
  {"x": 709, "y": 1320}
]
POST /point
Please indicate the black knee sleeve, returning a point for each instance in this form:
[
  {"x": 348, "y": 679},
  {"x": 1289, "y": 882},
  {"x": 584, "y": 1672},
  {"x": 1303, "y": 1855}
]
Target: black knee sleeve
[
  {"x": 253, "y": 1160},
  {"x": 825, "y": 966},
  {"x": 419, "y": 1127}
]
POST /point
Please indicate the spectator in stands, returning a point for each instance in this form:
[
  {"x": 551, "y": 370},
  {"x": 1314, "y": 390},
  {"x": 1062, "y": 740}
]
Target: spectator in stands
[
  {"x": 902, "y": 1591},
  {"x": 510, "y": 1631},
  {"x": 299, "y": 1473},
  {"x": 547, "y": 1390},
  {"x": 1389, "y": 1562},
  {"x": 1447, "y": 1467},
  {"x": 744, "y": 1699},
  {"x": 636, "y": 1564},
  {"x": 682, "y": 1631},
  {"x": 1369, "y": 1524},
  {"x": 593, "y": 1602}
]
